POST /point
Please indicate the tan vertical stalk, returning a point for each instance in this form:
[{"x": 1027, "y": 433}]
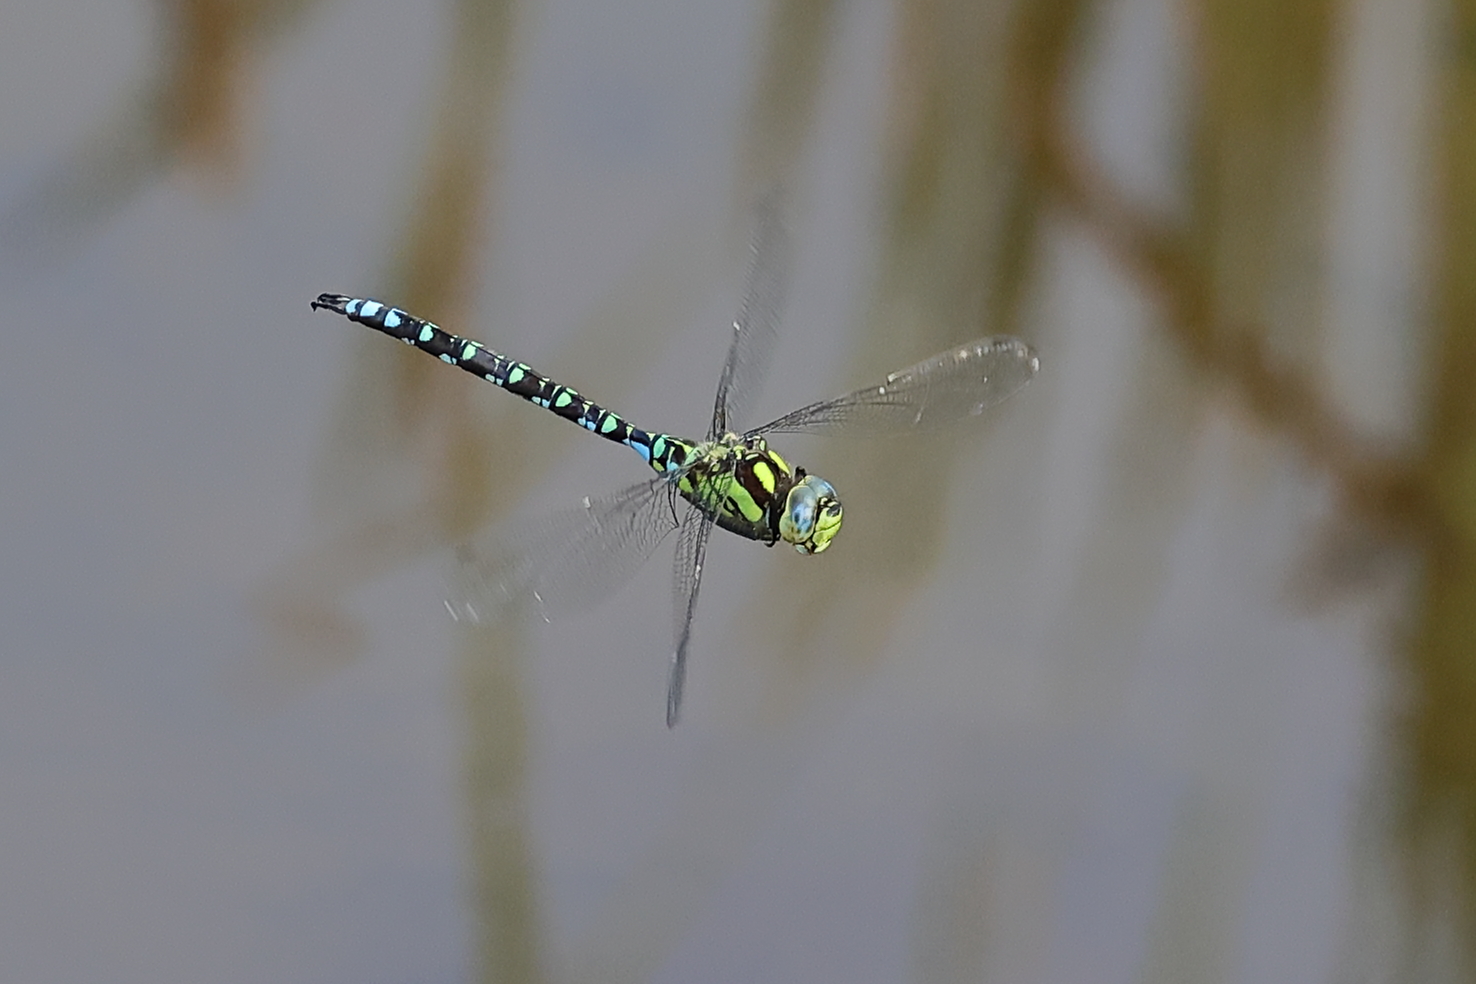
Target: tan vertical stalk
[
  {"x": 783, "y": 109},
  {"x": 1257, "y": 199},
  {"x": 1442, "y": 722}
]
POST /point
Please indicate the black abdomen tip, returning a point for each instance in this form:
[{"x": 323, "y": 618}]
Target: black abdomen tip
[{"x": 333, "y": 302}]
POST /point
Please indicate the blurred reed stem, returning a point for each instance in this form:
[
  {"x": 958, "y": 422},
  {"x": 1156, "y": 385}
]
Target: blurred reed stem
[{"x": 1441, "y": 726}]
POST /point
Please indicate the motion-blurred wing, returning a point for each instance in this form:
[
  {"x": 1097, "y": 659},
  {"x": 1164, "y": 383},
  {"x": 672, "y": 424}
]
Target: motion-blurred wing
[
  {"x": 954, "y": 385},
  {"x": 691, "y": 553},
  {"x": 756, "y": 328},
  {"x": 565, "y": 561}
]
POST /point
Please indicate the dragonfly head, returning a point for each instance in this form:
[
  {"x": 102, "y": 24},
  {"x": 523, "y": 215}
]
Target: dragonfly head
[{"x": 812, "y": 514}]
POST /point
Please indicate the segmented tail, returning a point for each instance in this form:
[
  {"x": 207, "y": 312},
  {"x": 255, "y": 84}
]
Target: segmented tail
[{"x": 661, "y": 451}]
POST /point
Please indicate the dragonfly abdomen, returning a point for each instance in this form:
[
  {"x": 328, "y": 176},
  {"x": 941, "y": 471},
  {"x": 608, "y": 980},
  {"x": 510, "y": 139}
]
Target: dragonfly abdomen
[{"x": 661, "y": 451}]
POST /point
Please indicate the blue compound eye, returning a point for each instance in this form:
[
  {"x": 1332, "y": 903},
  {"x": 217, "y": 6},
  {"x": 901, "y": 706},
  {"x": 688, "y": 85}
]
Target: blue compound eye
[
  {"x": 824, "y": 491},
  {"x": 799, "y": 513},
  {"x": 811, "y": 517}
]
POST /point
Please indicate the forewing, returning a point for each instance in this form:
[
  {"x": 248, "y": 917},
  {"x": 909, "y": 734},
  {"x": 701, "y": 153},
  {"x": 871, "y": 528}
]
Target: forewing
[
  {"x": 565, "y": 561},
  {"x": 951, "y": 386},
  {"x": 691, "y": 553},
  {"x": 755, "y": 330}
]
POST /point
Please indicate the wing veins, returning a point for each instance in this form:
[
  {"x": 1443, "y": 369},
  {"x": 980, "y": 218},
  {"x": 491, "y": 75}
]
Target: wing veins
[{"x": 951, "y": 386}]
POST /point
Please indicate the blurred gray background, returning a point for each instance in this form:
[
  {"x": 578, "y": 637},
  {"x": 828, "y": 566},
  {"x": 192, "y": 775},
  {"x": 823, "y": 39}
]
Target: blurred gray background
[{"x": 1161, "y": 672}]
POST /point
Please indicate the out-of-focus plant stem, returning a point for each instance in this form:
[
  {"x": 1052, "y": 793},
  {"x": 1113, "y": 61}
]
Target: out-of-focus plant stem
[{"x": 1442, "y": 720}]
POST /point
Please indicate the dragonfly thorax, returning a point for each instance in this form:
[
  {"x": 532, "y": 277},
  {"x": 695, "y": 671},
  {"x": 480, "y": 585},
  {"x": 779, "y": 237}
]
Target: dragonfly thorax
[{"x": 752, "y": 491}]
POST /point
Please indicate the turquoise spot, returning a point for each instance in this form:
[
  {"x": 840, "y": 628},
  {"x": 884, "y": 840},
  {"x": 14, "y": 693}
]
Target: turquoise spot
[
  {"x": 448, "y": 359},
  {"x": 469, "y": 351},
  {"x": 658, "y": 447},
  {"x": 515, "y": 374},
  {"x": 427, "y": 333},
  {"x": 370, "y": 309},
  {"x": 589, "y": 425},
  {"x": 611, "y": 422},
  {"x": 392, "y": 318},
  {"x": 352, "y": 307},
  {"x": 642, "y": 450},
  {"x": 563, "y": 399}
]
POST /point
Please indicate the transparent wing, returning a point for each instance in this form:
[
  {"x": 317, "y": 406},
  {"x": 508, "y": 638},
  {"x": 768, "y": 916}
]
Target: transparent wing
[
  {"x": 756, "y": 328},
  {"x": 691, "y": 552},
  {"x": 951, "y": 386},
  {"x": 566, "y": 561}
]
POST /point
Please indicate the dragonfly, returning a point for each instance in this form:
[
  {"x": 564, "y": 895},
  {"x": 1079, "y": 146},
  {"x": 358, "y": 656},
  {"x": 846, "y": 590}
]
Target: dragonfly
[{"x": 731, "y": 479}]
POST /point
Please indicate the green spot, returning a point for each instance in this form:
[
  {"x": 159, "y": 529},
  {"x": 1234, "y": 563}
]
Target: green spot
[
  {"x": 427, "y": 333},
  {"x": 516, "y": 373},
  {"x": 469, "y": 351},
  {"x": 563, "y": 399},
  {"x": 609, "y": 423},
  {"x": 764, "y": 474},
  {"x": 751, "y": 510}
]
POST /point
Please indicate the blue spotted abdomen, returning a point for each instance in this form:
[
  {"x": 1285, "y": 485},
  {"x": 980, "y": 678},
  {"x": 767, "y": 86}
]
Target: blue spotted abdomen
[{"x": 662, "y": 452}]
